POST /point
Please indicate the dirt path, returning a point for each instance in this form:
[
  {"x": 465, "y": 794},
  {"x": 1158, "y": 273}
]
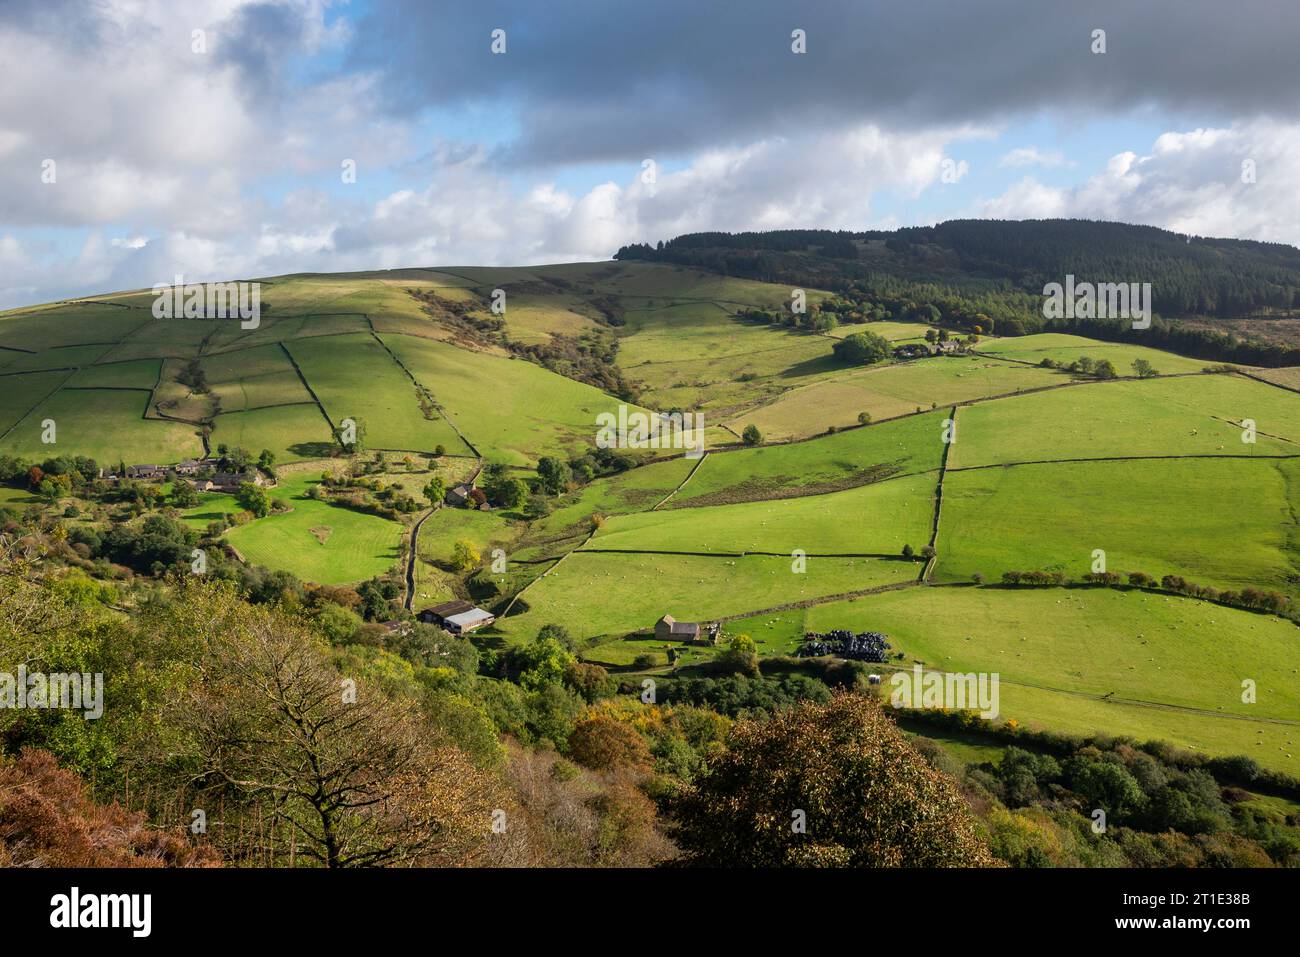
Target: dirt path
[{"x": 411, "y": 559}]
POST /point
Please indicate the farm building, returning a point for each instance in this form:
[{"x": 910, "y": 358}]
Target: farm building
[
  {"x": 188, "y": 467},
  {"x": 468, "y": 621},
  {"x": 669, "y": 628},
  {"x": 230, "y": 481},
  {"x": 457, "y": 617},
  {"x": 459, "y": 494},
  {"x": 145, "y": 472},
  {"x": 437, "y": 614},
  {"x": 916, "y": 350}
]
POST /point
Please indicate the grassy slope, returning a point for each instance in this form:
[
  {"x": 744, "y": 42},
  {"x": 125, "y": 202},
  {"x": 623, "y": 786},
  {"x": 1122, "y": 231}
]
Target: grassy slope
[
  {"x": 359, "y": 546},
  {"x": 890, "y": 390},
  {"x": 877, "y": 519},
  {"x": 1176, "y": 416},
  {"x": 512, "y": 410},
  {"x": 105, "y": 424},
  {"x": 1058, "y": 651},
  {"x": 1066, "y": 348},
  {"x": 842, "y": 460},
  {"x": 354, "y": 377},
  {"x": 594, "y": 595},
  {"x": 1227, "y": 523}
]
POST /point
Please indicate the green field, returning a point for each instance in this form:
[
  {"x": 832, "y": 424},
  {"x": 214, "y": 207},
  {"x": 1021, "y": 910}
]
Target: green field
[
  {"x": 887, "y": 391},
  {"x": 825, "y": 464},
  {"x": 871, "y": 519},
  {"x": 135, "y": 374},
  {"x": 1066, "y": 349},
  {"x": 511, "y": 409},
  {"x": 1172, "y": 666},
  {"x": 20, "y": 393},
  {"x": 357, "y": 546},
  {"x": 594, "y": 595},
  {"x": 106, "y": 424},
  {"x": 355, "y": 377},
  {"x": 253, "y": 378},
  {"x": 1172, "y": 516},
  {"x": 635, "y": 490},
  {"x": 293, "y": 432},
  {"x": 1191, "y": 415}
]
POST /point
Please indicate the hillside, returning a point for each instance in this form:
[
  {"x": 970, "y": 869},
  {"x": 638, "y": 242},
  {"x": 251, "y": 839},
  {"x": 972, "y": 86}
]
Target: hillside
[
  {"x": 979, "y": 552},
  {"x": 1000, "y": 268}
]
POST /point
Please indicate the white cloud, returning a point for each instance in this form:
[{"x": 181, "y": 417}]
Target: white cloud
[
  {"x": 1032, "y": 156},
  {"x": 1189, "y": 182}
]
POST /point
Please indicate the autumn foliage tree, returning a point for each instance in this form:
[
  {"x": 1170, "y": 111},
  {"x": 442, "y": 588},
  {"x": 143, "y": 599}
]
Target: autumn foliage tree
[
  {"x": 298, "y": 764},
  {"x": 603, "y": 744},
  {"x": 833, "y": 784}
]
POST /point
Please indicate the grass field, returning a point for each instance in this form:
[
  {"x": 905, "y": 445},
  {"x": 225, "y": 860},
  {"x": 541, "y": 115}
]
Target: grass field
[
  {"x": 1192, "y": 415},
  {"x": 134, "y": 374},
  {"x": 1172, "y": 666},
  {"x": 871, "y": 519},
  {"x": 434, "y": 577},
  {"x": 355, "y": 377},
  {"x": 1066, "y": 349},
  {"x": 1162, "y": 517},
  {"x": 828, "y": 463},
  {"x": 888, "y": 391},
  {"x": 292, "y": 432},
  {"x": 595, "y": 595},
  {"x": 61, "y": 357},
  {"x": 512, "y": 410},
  {"x": 1288, "y": 377},
  {"x": 252, "y": 378},
  {"x": 635, "y": 490},
  {"x": 20, "y": 393},
  {"x": 106, "y": 424},
  {"x": 356, "y": 546}
]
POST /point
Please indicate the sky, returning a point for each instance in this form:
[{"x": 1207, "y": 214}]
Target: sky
[{"x": 222, "y": 139}]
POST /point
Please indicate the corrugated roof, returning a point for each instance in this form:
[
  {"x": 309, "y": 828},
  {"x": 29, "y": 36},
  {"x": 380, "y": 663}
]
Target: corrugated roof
[{"x": 471, "y": 617}]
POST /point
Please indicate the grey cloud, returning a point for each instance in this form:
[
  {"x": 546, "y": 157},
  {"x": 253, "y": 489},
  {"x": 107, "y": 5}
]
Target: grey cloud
[{"x": 593, "y": 80}]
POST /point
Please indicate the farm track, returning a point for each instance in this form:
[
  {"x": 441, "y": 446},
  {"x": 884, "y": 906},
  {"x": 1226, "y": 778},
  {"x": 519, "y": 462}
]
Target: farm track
[
  {"x": 414, "y": 546},
  {"x": 411, "y": 559}
]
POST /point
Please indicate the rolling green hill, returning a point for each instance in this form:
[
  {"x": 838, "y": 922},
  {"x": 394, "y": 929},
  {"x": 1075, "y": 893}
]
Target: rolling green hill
[{"x": 1049, "y": 464}]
